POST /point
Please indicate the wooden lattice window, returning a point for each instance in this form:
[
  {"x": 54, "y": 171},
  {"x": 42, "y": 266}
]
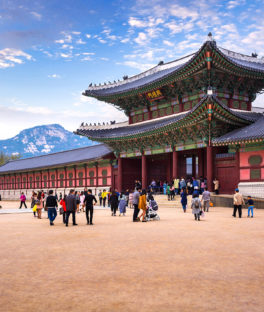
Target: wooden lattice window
[
  {"x": 255, "y": 160},
  {"x": 235, "y": 104},
  {"x": 140, "y": 117},
  {"x": 91, "y": 175},
  {"x": 176, "y": 109},
  {"x": 61, "y": 180},
  {"x": 243, "y": 105},
  {"x": 70, "y": 179},
  {"x": 18, "y": 183},
  {"x": 24, "y": 182},
  {"x": 169, "y": 110},
  {"x": 53, "y": 180},
  {"x": 155, "y": 114},
  {"x": 13, "y": 183},
  {"x": 80, "y": 175},
  {"x": 146, "y": 116},
  {"x": 255, "y": 174},
  {"x": 186, "y": 106},
  {"x": 134, "y": 119},
  {"x": 37, "y": 180},
  {"x": 104, "y": 174},
  {"x": 45, "y": 178}
]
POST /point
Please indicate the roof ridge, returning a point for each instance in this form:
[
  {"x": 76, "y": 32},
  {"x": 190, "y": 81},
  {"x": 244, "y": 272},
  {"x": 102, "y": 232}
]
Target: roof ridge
[{"x": 39, "y": 156}]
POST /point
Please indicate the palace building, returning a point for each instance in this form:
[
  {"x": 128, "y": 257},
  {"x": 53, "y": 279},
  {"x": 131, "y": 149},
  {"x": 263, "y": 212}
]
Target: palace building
[{"x": 192, "y": 117}]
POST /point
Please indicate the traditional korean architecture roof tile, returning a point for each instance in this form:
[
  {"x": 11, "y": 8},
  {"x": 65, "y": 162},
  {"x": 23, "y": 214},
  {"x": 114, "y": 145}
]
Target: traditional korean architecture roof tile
[
  {"x": 58, "y": 159},
  {"x": 254, "y": 131},
  {"x": 161, "y": 72},
  {"x": 148, "y": 126}
]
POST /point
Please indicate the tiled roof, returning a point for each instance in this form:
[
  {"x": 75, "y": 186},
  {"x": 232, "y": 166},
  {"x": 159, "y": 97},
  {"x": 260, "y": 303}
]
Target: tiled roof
[
  {"x": 131, "y": 129},
  {"x": 251, "y": 132},
  {"x": 142, "y": 127},
  {"x": 56, "y": 159}
]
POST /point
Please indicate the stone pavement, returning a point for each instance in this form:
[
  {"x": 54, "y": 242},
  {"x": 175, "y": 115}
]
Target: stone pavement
[{"x": 175, "y": 264}]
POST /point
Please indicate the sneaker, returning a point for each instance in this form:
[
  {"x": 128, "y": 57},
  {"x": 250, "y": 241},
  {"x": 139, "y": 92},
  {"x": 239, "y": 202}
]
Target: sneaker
[
  {"x": 75, "y": 224},
  {"x": 251, "y": 216},
  {"x": 66, "y": 224},
  {"x": 91, "y": 223}
]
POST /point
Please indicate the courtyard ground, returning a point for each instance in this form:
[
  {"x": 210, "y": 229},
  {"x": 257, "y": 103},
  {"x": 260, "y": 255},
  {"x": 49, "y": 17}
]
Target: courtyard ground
[{"x": 175, "y": 264}]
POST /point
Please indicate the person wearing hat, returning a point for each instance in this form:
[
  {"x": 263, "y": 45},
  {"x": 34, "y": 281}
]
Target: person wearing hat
[{"x": 238, "y": 202}]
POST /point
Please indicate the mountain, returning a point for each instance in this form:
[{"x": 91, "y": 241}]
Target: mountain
[{"x": 43, "y": 140}]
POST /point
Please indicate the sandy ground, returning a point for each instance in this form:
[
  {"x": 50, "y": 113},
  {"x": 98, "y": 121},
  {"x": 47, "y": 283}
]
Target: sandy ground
[{"x": 176, "y": 264}]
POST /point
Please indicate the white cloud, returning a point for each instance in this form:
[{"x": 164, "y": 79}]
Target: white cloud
[
  {"x": 102, "y": 40},
  {"x": 80, "y": 41},
  {"x": 141, "y": 38},
  {"x": 64, "y": 55},
  {"x": 88, "y": 36},
  {"x": 36, "y": 15},
  {"x": 10, "y": 57},
  {"x": 168, "y": 43},
  {"x": 76, "y": 32},
  {"x": 141, "y": 67},
  {"x": 125, "y": 40},
  {"x": 54, "y": 76}
]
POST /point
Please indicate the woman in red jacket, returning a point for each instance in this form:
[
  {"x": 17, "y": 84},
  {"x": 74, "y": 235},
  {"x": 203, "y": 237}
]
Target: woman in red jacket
[{"x": 63, "y": 204}]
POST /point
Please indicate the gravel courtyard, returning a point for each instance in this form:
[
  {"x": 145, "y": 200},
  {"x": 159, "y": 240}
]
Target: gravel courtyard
[{"x": 176, "y": 264}]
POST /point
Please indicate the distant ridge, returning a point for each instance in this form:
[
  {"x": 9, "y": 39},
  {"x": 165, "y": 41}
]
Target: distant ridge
[{"x": 42, "y": 140}]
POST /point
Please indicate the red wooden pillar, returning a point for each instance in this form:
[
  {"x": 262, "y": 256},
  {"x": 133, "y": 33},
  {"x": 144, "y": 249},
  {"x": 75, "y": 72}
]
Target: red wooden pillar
[
  {"x": 57, "y": 179},
  {"x": 175, "y": 155},
  {"x": 209, "y": 159},
  {"x": 144, "y": 170},
  {"x": 237, "y": 158},
  {"x": 41, "y": 177},
  {"x": 27, "y": 181},
  {"x": 119, "y": 174},
  {"x": 85, "y": 175},
  {"x": 65, "y": 178},
  {"x": 75, "y": 177},
  {"x": 96, "y": 173}
]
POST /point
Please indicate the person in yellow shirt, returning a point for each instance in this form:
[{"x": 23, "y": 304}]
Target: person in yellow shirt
[
  {"x": 104, "y": 196},
  {"x": 142, "y": 204}
]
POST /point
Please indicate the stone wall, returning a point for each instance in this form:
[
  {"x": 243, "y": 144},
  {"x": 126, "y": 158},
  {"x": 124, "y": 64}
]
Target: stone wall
[{"x": 15, "y": 194}]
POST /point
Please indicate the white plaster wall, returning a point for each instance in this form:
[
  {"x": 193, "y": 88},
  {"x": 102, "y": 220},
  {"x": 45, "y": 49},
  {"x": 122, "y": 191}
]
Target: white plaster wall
[{"x": 254, "y": 189}]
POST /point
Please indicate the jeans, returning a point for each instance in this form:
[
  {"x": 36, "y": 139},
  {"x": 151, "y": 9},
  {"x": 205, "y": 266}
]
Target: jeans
[
  {"x": 239, "y": 208},
  {"x": 100, "y": 199},
  {"x": 21, "y": 203},
  {"x": 250, "y": 208},
  {"x": 52, "y": 214},
  {"x": 184, "y": 207},
  {"x": 68, "y": 215},
  {"x": 136, "y": 211},
  {"x": 89, "y": 209}
]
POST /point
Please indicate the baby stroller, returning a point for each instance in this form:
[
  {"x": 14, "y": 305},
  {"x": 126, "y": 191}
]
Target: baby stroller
[{"x": 152, "y": 211}]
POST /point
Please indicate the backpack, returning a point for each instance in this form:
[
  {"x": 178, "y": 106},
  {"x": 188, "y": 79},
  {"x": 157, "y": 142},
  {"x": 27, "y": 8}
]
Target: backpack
[
  {"x": 37, "y": 202},
  {"x": 154, "y": 205},
  {"x": 196, "y": 203}
]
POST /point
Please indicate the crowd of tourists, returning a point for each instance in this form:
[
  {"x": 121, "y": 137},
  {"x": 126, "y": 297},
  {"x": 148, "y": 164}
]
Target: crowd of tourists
[{"x": 141, "y": 200}]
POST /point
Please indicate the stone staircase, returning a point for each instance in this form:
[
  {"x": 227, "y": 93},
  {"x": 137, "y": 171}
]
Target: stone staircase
[{"x": 163, "y": 201}]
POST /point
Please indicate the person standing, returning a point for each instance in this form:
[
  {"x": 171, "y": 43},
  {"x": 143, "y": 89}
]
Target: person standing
[
  {"x": 196, "y": 207},
  {"x": 184, "y": 199},
  {"x": 122, "y": 204},
  {"x": 23, "y": 200},
  {"x": 104, "y": 196},
  {"x": 77, "y": 197},
  {"x": 216, "y": 186},
  {"x": 143, "y": 205},
  {"x": 238, "y": 202},
  {"x": 71, "y": 207},
  {"x": 206, "y": 196},
  {"x": 250, "y": 203},
  {"x": 63, "y": 205},
  {"x": 114, "y": 202},
  {"x": 82, "y": 198},
  {"x": 51, "y": 205},
  {"x": 100, "y": 198},
  {"x": 89, "y": 201},
  {"x": 39, "y": 203},
  {"x": 135, "y": 202}
]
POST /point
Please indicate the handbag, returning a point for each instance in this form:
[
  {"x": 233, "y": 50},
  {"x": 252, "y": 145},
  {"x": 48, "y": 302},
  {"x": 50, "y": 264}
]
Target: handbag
[{"x": 61, "y": 210}]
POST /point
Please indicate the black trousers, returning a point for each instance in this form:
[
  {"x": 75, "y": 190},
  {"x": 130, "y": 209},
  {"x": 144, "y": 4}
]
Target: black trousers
[
  {"x": 68, "y": 215},
  {"x": 114, "y": 208},
  {"x": 100, "y": 201},
  {"x": 239, "y": 208},
  {"x": 21, "y": 203},
  {"x": 89, "y": 210},
  {"x": 136, "y": 211},
  {"x": 104, "y": 200},
  {"x": 64, "y": 217}
]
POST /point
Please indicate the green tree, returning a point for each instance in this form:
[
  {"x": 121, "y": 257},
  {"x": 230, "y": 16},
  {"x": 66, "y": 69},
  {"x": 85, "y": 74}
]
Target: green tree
[{"x": 4, "y": 158}]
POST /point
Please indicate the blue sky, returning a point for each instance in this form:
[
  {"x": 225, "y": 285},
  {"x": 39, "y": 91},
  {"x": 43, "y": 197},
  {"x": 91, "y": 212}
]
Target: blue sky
[{"x": 51, "y": 50}]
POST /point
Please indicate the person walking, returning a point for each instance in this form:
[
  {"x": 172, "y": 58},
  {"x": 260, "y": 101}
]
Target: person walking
[
  {"x": 71, "y": 207},
  {"x": 238, "y": 202},
  {"x": 23, "y": 200},
  {"x": 90, "y": 200},
  {"x": 39, "y": 204},
  {"x": 104, "y": 196},
  {"x": 184, "y": 199},
  {"x": 63, "y": 205},
  {"x": 143, "y": 205},
  {"x": 135, "y": 202},
  {"x": 206, "y": 196},
  {"x": 77, "y": 197},
  {"x": 33, "y": 203},
  {"x": 250, "y": 203},
  {"x": 51, "y": 205},
  {"x": 122, "y": 204},
  {"x": 114, "y": 202},
  {"x": 196, "y": 207}
]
